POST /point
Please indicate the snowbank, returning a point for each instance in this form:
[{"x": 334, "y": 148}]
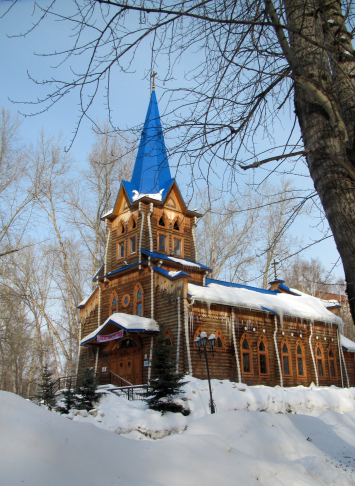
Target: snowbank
[{"x": 38, "y": 447}]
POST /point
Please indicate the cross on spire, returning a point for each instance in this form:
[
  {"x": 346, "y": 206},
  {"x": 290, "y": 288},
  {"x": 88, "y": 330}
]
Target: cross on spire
[
  {"x": 275, "y": 270},
  {"x": 153, "y": 76}
]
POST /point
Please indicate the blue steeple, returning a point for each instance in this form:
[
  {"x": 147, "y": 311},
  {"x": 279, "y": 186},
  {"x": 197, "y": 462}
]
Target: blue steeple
[{"x": 151, "y": 171}]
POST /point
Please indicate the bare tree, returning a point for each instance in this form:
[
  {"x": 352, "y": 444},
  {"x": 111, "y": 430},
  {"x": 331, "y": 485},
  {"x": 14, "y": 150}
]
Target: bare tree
[
  {"x": 110, "y": 161},
  {"x": 254, "y": 57}
]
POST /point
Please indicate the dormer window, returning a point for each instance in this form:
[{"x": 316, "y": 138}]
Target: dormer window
[
  {"x": 132, "y": 224},
  {"x": 176, "y": 226},
  {"x": 161, "y": 222},
  {"x": 121, "y": 229}
]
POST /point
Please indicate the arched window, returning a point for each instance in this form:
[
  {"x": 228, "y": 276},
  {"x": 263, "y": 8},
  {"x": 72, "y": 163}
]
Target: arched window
[
  {"x": 177, "y": 225},
  {"x": 169, "y": 339},
  {"x": 132, "y": 223},
  {"x": 263, "y": 356},
  {"x": 113, "y": 303},
  {"x": 121, "y": 228},
  {"x": 319, "y": 355},
  {"x": 163, "y": 222},
  {"x": 197, "y": 333},
  {"x": 138, "y": 300},
  {"x": 286, "y": 361},
  {"x": 333, "y": 372},
  {"x": 300, "y": 360},
  {"x": 246, "y": 354},
  {"x": 220, "y": 341}
]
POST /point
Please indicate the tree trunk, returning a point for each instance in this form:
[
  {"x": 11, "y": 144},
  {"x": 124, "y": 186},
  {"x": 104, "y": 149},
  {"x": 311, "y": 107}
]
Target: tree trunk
[{"x": 328, "y": 163}]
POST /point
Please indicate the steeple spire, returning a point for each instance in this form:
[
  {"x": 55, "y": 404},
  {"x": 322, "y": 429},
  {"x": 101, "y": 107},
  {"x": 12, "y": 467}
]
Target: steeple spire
[{"x": 151, "y": 171}]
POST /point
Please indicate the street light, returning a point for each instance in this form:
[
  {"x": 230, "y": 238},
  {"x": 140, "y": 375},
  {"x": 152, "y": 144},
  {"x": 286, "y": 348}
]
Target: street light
[{"x": 201, "y": 342}]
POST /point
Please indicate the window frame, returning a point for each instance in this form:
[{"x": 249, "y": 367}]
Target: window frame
[
  {"x": 174, "y": 237},
  {"x": 119, "y": 226},
  {"x": 197, "y": 334},
  {"x": 130, "y": 224},
  {"x": 245, "y": 335},
  {"x": 130, "y": 253},
  {"x": 123, "y": 241},
  {"x": 320, "y": 358},
  {"x": 219, "y": 334},
  {"x": 169, "y": 334},
  {"x": 113, "y": 294},
  {"x": 123, "y": 300},
  {"x": 166, "y": 235},
  {"x": 166, "y": 221},
  {"x": 331, "y": 347},
  {"x": 304, "y": 376},
  {"x": 262, "y": 338},
  {"x": 289, "y": 355},
  {"x": 181, "y": 226},
  {"x": 136, "y": 301}
]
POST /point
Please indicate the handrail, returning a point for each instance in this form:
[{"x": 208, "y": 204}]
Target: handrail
[{"x": 117, "y": 376}]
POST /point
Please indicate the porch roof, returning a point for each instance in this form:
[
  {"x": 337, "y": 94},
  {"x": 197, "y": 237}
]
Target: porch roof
[{"x": 122, "y": 321}]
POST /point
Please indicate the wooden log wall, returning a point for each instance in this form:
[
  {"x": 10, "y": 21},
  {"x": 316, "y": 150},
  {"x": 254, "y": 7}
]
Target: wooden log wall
[
  {"x": 350, "y": 367},
  {"x": 256, "y": 324}
]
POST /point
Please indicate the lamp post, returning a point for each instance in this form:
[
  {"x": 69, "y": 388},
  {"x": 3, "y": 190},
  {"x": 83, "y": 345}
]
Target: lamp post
[{"x": 201, "y": 342}]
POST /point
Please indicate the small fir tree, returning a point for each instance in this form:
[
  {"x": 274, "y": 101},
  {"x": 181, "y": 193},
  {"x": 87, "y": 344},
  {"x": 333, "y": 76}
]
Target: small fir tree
[
  {"x": 46, "y": 391},
  {"x": 86, "y": 394},
  {"x": 167, "y": 384},
  {"x": 69, "y": 401}
]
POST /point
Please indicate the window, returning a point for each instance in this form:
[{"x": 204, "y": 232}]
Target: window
[
  {"x": 263, "y": 356},
  {"x": 300, "y": 360},
  {"x": 220, "y": 341},
  {"x": 177, "y": 244},
  {"x": 138, "y": 300},
  {"x": 286, "y": 361},
  {"x": 126, "y": 300},
  {"x": 132, "y": 245},
  {"x": 176, "y": 226},
  {"x": 132, "y": 224},
  {"x": 113, "y": 303},
  {"x": 163, "y": 222},
  {"x": 121, "y": 229},
  {"x": 333, "y": 372},
  {"x": 162, "y": 243},
  {"x": 197, "y": 334},
  {"x": 320, "y": 361},
  {"x": 169, "y": 340},
  {"x": 246, "y": 353},
  {"x": 120, "y": 250}
]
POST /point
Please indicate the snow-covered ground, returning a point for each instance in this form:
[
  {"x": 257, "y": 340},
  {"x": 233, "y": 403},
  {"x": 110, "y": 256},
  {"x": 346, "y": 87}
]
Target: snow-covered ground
[{"x": 306, "y": 437}]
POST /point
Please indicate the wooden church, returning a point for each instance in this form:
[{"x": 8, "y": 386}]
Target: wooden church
[{"x": 151, "y": 282}]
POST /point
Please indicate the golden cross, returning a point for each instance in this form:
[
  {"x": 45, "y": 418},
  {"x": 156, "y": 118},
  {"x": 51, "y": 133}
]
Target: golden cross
[
  {"x": 275, "y": 263},
  {"x": 153, "y": 76}
]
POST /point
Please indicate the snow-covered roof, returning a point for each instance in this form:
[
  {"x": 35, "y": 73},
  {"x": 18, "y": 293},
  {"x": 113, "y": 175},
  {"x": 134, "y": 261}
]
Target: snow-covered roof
[
  {"x": 83, "y": 302},
  {"x": 108, "y": 213},
  {"x": 97, "y": 273},
  {"x": 171, "y": 274},
  {"x": 182, "y": 261},
  {"x": 302, "y": 306},
  {"x": 347, "y": 344},
  {"x": 126, "y": 322}
]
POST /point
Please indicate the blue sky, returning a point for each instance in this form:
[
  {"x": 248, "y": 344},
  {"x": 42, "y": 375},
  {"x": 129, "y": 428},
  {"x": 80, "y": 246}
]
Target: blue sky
[{"x": 129, "y": 99}]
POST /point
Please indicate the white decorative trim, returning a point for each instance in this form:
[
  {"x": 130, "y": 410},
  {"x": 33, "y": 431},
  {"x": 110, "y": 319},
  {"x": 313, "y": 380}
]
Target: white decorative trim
[
  {"x": 194, "y": 223},
  {"x": 277, "y": 352},
  {"x": 150, "y": 359},
  {"x": 341, "y": 368},
  {"x": 186, "y": 322},
  {"x": 150, "y": 227},
  {"x": 96, "y": 359},
  {"x": 141, "y": 234},
  {"x": 106, "y": 250},
  {"x": 312, "y": 354},
  {"x": 235, "y": 346},
  {"x": 204, "y": 278},
  {"x": 151, "y": 292},
  {"x": 99, "y": 310},
  {"x": 346, "y": 371},
  {"x": 178, "y": 336}
]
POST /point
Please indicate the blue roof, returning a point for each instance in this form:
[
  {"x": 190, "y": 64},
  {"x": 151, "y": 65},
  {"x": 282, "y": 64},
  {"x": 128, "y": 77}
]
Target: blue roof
[
  {"x": 166, "y": 273},
  {"x": 284, "y": 287},
  {"x": 174, "y": 259},
  {"x": 151, "y": 171},
  {"x": 121, "y": 269},
  {"x": 99, "y": 270},
  {"x": 240, "y": 286}
]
